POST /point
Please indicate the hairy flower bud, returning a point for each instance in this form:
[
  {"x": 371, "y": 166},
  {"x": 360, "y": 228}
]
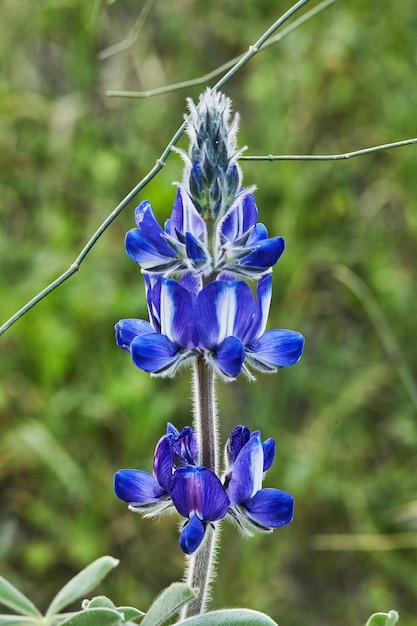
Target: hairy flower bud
[{"x": 212, "y": 176}]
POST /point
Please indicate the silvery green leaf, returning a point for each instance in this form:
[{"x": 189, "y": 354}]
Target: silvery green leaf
[
  {"x": 94, "y": 617},
  {"x": 130, "y": 613},
  {"x": 14, "y": 599},
  {"x": 168, "y": 603},
  {"x": 383, "y": 619},
  {"x": 230, "y": 617},
  {"x": 17, "y": 620},
  {"x": 82, "y": 583},
  {"x": 98, "y": 602}
]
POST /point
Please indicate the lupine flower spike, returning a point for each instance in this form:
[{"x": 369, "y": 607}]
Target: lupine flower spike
[{"x": 202, "y": 311}]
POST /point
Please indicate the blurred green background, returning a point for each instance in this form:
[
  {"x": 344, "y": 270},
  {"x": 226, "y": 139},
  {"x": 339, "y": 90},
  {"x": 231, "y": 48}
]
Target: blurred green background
[{"x": 73, "y": 408}]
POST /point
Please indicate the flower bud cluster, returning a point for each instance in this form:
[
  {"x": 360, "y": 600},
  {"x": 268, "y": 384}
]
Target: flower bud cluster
[{"x": 212, "y": 176}]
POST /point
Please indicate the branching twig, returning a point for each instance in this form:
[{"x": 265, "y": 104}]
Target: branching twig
[
  {"x": 151, "y": 174},
  {"x": 328, "y": 157},
  {"x": 203, "y": 80},
  {"x": 132, "y": 36}
]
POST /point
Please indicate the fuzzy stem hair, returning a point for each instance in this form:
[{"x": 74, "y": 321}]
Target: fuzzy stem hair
[{"x": 200, "y": 565}]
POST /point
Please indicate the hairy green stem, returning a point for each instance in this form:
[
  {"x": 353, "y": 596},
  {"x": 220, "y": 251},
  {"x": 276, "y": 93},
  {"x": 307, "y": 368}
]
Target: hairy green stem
[
  {"x": 205, "y": 416},
  {"x": 200, "y": 565}
]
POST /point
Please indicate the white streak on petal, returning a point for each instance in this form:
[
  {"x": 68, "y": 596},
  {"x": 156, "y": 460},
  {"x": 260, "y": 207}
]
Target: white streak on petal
[
  {"x": 226, "y": 311},
  {"x": 167, "y": 311}
]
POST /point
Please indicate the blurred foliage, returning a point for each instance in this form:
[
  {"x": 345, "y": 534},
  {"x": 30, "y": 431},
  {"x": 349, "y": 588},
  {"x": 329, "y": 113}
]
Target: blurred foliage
[{"x": 73, "y": 408}]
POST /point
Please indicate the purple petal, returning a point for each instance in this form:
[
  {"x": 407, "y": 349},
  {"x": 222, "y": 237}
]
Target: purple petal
[
  {"x": 185, "y": 447},
  {"x": 177, "y": 314},
  {"x": 154, "y": 352},
  {"x": 191, "y": 283},
  {"x": 163, "y": 462},
  {"x": 238, "y": 438},
  {"x": 127, "y": 330},
  {"x": 276, "y": 348},
  {"x": 137, "y": 487},
  {"x": 269, "y": 453},
  {"x": 247, "y": 472},
  {"x": 197, "y": 490},
  {"x": 229, "y": 356},
  {"x": 192, "y": 535},
  {"x": 271, "y": 508}
]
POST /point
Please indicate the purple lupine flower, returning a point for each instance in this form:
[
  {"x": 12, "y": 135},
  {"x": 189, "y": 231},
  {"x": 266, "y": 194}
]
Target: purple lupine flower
[
  {"x": 169, "y": 339},
  {"x": 176, "y": 481},
  {"x": 222, "y": 321},
  {"x": 180, "y": 247},
  {"x": 144, "y": 492},
  {"x": 239, "y": 437},
  {"x": 251, "y": 506},
  {"x": 231, "y": 329},
  {"x": 198, "y": 495},
  {"x": 243, "y": 244}
]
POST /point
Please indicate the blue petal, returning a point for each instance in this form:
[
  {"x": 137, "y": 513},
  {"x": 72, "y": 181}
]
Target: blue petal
[
  {"x": 137, "y": 487},
  {"x": 171, "y": 430},
  {"x": 258, "y": 233},
  {"x": 223, "y": 309},
  {"x": 197, "y": 490},
  {"x": 127, "y": 330},
  {"x": 261, "y": 310},
  {"x": 153, "y": 299},
  {"x": 265, "y": 254},
  {"x": 239, "y": 219},
  {"x": 150, "y": 250},
  {"x": 194, "y": 249},
  {"x": 247, "y": 472},
  {"x": 269, "y": 453},
  {"x": 271, "y": 508},
  {"x": 177, "y": 314},
  {"x": 154, "y": 352},
  {"x": 229, "y": 356},
  {"x": 163, "y": 462},
  {"x": 206, "y": 314},
  {"x": 192, "y": 535},
  {"x": 276, "y": 348},
  {"x": 151, "y": 230},
  {"x": 245, "y": 308},
  {"x": 186, "y": 219}
]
